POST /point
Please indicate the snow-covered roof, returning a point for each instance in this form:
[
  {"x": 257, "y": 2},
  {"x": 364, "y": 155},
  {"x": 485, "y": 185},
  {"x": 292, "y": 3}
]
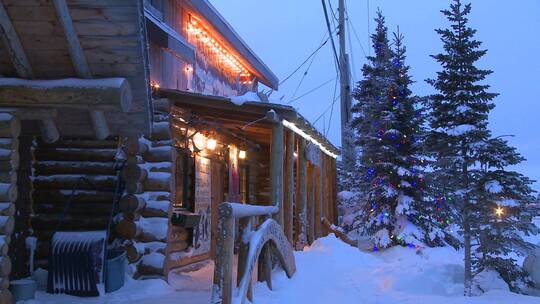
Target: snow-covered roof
[
  {"x": 211, "y": 15},
  {"x": 251, "y": 108}
]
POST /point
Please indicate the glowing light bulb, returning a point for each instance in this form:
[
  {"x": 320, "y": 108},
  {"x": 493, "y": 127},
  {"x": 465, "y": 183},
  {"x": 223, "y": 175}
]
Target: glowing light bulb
[
  {"x": 499, "y": 211},
  {"x": 211, "y": 144},
  {"x": 242, "y": 154}
]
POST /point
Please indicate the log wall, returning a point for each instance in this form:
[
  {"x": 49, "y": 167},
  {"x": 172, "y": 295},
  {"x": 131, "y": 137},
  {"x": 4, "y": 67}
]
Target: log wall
[
  {"x": 59, "y": 168},
  {"x": 146, "y": 202},
  {"x": 9, "y": 159}
]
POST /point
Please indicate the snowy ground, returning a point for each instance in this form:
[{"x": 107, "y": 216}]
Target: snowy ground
[{"x": 328, "y": 272}]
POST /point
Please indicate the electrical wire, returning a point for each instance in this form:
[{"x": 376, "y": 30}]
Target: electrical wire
[
  {"x": 328, "y": 107},
  {"x": 305, "y": 61},
  {"x": 351, "y": 26},
  {"x": 312, "y": 90},
  {"x": 351, "y": 55},
  {"x": 330, "y": 31},
  {"x": 306, "y": 71},
  {"x": 334, "y": 98}
]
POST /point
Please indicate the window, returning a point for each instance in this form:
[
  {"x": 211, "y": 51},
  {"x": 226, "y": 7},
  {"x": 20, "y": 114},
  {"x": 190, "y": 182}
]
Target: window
[{"x": 185, "y": 180}]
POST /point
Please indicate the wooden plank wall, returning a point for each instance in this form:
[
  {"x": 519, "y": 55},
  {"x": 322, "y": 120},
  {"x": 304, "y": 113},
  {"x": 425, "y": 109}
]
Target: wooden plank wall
[{"x": 173, "y": 72}]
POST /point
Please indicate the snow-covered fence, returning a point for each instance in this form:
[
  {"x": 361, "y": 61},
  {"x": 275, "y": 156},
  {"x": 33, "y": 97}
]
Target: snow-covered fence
[{"x": 269, "y": 239}]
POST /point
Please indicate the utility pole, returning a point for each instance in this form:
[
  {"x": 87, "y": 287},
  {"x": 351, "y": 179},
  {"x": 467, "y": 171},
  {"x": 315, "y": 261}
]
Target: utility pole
[{"x": 347, "y": 148}]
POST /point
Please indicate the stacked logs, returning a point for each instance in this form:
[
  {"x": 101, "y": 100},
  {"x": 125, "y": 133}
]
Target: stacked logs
[
  {"x": 59, "y": 168},
  {"x": 9, "y": 162},
  {"x": 147, "y": 199}
]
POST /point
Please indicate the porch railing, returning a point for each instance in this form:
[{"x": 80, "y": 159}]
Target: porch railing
[{"x": 262, "y": 245}]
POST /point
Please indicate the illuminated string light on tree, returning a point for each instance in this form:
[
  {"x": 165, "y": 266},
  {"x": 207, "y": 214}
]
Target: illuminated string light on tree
[
  {"x": 388, "y": 120},
  {"x": 499, "y": 211}
]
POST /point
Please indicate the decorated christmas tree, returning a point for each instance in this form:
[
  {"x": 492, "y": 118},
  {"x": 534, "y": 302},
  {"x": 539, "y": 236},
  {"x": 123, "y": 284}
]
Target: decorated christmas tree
[
  {"x": 387, "y": 123},
  {"x": 469, "y": 165}
]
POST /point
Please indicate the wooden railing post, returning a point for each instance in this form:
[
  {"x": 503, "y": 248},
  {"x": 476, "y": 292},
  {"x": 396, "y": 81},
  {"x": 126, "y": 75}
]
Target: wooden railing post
[
  {"x": 269, "y": 238},
  {"x": 246, "y": 225},
  {"x": 276, "y": 170},
  {"x": 223, "y": 270}
]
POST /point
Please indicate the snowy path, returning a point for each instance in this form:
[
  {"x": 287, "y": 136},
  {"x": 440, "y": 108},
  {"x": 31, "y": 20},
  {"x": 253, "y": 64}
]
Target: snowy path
[{"x": 328, "y": 272}]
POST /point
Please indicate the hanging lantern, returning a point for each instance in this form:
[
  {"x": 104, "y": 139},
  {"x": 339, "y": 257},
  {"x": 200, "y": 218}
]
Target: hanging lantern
[{"x": 242, "y": 154}]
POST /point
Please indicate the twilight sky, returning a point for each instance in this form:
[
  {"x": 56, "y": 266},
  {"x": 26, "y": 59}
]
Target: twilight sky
[{"x": 284, "y": 32}]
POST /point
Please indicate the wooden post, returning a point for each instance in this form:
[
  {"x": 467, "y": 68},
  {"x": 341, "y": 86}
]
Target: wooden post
[
  {"x": 326, "y": 190},
  {"x": 333, "y": 200},
  {"x": 319, "y": 212},
  {"x": 276, "y": 170},
  {"x": 289, "y": 187},
  {"x": 301, "y": 200},
  {"x": 223, "y": 270},
  {"x": 245, "y": 224},
  {"x": 311, "y": 203},
  {"x": 17, "y": 247}
]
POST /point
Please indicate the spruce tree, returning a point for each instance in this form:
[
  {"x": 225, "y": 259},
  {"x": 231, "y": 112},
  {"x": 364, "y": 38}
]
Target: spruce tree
[
  {"x": 387, "y": 126},
  {"x": 500, "y": 213},
  {"x": 469, "y": 164}
]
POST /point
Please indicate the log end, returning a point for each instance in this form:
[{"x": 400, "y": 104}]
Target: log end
[{"x": 126, "y": 97}]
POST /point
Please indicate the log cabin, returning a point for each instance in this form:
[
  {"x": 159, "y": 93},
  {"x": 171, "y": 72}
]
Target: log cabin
[{"x": 145, "y": 116}]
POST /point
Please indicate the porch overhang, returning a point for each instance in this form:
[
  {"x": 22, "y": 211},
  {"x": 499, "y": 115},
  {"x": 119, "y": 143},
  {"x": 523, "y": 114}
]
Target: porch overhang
[{"x": 249, "y": 115}]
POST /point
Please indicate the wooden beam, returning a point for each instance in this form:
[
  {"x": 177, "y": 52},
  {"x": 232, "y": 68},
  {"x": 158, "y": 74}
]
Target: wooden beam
[
  {"x": 35, "y": 114},
  {"x": 99, "y": 122},
  {"x": 92, "y": 94},
  {"x": 276, "y": 169},
  {"x": 49, "y": 131},
  {"x": 14, "y": 46},
  {"x": 289, "y": 187},
  {"x": 74, "y": 46}
]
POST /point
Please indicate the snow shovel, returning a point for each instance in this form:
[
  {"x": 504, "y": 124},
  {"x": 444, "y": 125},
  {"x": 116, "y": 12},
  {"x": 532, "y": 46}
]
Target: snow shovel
[{"x": 77, "y": 258}]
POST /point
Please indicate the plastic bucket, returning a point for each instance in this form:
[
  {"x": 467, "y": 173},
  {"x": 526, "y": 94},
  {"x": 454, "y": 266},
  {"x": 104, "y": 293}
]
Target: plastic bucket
[
  {"x": 115, "y": 270},
  {"x": 22, "y": 290}
]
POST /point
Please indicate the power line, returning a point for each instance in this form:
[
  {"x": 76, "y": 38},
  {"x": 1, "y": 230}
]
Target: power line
[
  {"x": 332, "y": 11},
  {"x": 330, "y": 32},
  {"x": 351, "y": 25},
  {"x": 312, "y": 90},
  {"x": 304, "y": 62},
  {"x": 334, "y": 98},
  {"x": 306, "y": 72},
  {"x": 328, "y": 107},
  {"x": 352, "y": 56}
]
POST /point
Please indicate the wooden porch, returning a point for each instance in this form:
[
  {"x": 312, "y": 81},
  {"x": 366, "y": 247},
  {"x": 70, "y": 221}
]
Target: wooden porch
[{"x": 290, "y": 181}]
